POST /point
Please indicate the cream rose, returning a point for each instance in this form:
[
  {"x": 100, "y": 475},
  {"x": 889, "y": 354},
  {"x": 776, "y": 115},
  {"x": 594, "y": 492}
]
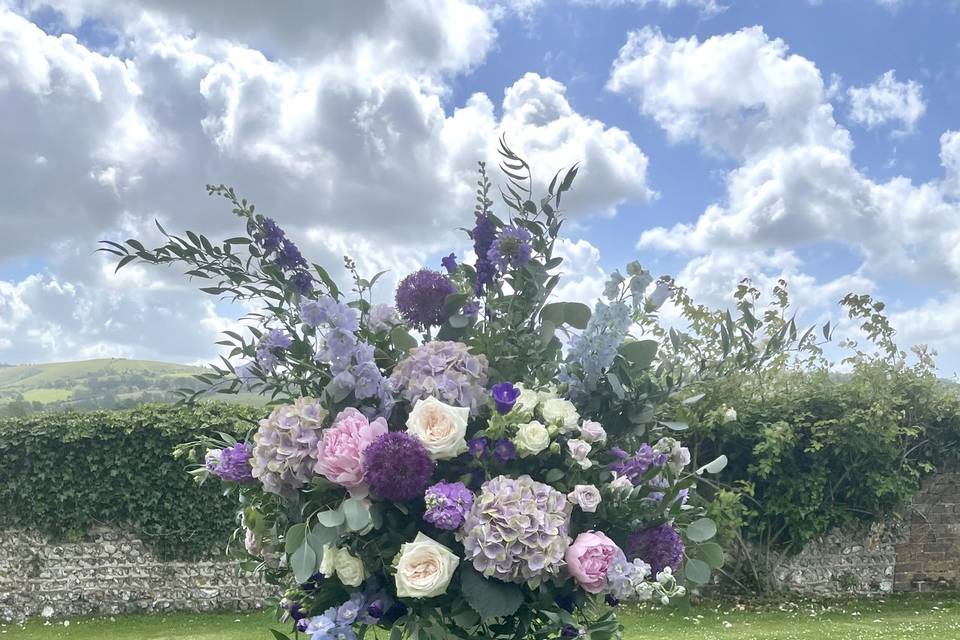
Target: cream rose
[
  {"x": 561, "y": 413},
  {"x": 527, "y": 401},
  {"x": 424, "y": 568},
  {"x": 349, "y": 568},
  {"x": 592, "y": 431},
  {"x": 531, "y": 439},
  {"x": 579, "y": 450},
  {"x": 585, "y": 496},
  {"x": 440, "y": 427}
]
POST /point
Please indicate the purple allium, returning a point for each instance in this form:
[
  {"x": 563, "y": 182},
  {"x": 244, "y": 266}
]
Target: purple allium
[
  {"x": 270, "y": 235},
  {"x": 504, "y": 397},
  {"x": 234, "y": 463},
  {"x": 633, "y": 467},
  {"x": 420, "y": 298},
  {"x": 477, "y": 447},
  {"x": 447, "y": 503},
  {"x": 659, "y": 546},
  {"x": 443, "y": 370},
  {"x": 397, "y": 466},
  {"x": 289, "y": 256},
  {"x": 483, "y": 235},
  {"x": 511, "y": 249},
  {"x": 449, "y": 262},
  {"x": 504, "y": 450},
  {"x": 302, "y": 282},
  {"x": 517, "y": 530}
]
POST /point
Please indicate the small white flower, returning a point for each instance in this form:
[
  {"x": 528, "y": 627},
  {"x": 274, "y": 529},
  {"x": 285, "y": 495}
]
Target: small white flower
[
  {"x": 586, "y": 496},
  {"x": 579, "y": 450},
  {"x": 531, "y": 439},
  {"x": 440, "y": 427},
  {"x": 729, "y": 414},
  {"x": 424, "y": 568},
  {"x": 620, "y": 484},
  {"x": 592, "y": 431},
  {"x": 560, "y": 412}
]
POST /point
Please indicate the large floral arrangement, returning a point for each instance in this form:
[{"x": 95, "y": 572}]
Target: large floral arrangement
[{"x": 477, "y": 459}]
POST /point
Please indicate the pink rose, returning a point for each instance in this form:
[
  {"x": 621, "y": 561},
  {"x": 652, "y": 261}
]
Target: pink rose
[
  {"x": 340, "y": 450},
  {"x": 588, "y": 558}
]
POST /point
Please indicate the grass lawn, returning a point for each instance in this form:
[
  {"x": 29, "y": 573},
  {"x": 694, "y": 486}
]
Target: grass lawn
[{"x": 927, "y": 618}]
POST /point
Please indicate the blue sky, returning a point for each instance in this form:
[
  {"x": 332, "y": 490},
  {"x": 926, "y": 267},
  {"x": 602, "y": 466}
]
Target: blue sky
[{"x": 812, "y": 141}]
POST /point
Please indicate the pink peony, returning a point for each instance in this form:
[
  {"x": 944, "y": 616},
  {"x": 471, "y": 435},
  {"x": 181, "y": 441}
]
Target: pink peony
[
  {"x": 588, "y": 559},
  {"x": 340, "y": 450}
]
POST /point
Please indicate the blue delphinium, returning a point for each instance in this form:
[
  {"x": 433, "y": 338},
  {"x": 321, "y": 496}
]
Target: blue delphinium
[
  {"x": 594, "y": 350},
  {"x": 483, "y": 234}
]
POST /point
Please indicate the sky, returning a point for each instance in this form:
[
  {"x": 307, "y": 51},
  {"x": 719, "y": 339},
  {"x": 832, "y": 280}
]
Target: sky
[{"x": 815, "y": 141}]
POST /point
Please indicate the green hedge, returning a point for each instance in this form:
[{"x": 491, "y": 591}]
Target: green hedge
[{"x": 64, "y": 473}]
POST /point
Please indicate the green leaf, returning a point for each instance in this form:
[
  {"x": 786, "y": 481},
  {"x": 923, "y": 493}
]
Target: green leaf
[
  {"x": 318, "y": 536},
  {"x": 331, "y": 518},
  {"x": 303, "y": 561},
  {"x": 553, "y": 475},
  {"x": 489, "y": 598},
  {"x": 701, "y": 530},
  {"x": 294, "y": 538},
  {"x": 697, "y": 571},
  {"x": 279, "y": 636},
  {"x": 717, "y": 465},
  {"x": 553, "y": 312},
  {"x": 693, "y": 399},
  {"x": 711, "y": 553},
  {"x": 639, "y": 353},
  {"x": 459, "y": 321},
  {"x": 402, "y": 339},
  {"x": 676, "y": 426},
  {"x": 576, "y": 314},
  {"x": 615, "y": 385}
]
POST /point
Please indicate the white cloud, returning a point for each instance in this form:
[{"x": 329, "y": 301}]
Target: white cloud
[
  {"x": 950, "y": 159},
  {"x": 887, "y": 100}
]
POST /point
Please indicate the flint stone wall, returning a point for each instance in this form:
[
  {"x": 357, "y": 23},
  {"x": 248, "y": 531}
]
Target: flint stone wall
[{"x": 112, "y": 572}]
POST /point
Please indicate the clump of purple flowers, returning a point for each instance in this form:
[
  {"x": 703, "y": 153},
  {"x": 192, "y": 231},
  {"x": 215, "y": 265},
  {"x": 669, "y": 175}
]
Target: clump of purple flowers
[
  {"x": 420, "y": 298},
  {"x": 511, "y": 249},
  {"x": 397, "y": 466},
  {"x": 504, "y": 397},
  {"x": 659, "y": 546},
  {"x": 447, "y": 503},
  {"x": 483, "y": 235},
  {"x": 270, "y": 348},
  {"x": 634, "y": 466},
  {"x": 443, "y": 370},
  {"x": 234, "y": 463},
  {"x": 272, "y": 239}
]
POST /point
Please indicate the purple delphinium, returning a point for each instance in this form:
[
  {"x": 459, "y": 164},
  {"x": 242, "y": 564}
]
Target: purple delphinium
[
  {"x": 270, "y": 236},
  {"x": 633, "y": 467},
  {"x": 483, "y": 235},
  {"x": 659, "y": 546},
  {"x": 420, "y": 298},
  {"x": 511, "y": 249},
  {"x": 397, "y": 466},
  {"x": 289, "y": 256},
  {"x": 477, "y": 447},
  {"x": 504, "y": 397},
  {"x": 234, "y": 463},
  {"x": 449, "y": 262},
  {"x": 471, "y": 309},
  {"x": 302, "y": 282},
  {"x": 275, "y": 339},
  {"x": 504, "y": 451},
  {"x": 447, "y": 502}
]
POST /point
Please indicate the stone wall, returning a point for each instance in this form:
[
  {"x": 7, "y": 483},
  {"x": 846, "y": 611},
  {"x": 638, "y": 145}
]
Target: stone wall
[{"x": 113, "y": 572}]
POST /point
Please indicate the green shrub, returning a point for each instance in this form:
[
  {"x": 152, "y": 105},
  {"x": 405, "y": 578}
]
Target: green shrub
[{"x": 64, "y": 473}]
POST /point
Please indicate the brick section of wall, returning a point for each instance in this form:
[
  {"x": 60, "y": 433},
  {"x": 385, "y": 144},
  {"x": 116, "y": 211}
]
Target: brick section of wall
[
  {"x": 113, "y": 572},
  {"x": 929, "y": 559}
]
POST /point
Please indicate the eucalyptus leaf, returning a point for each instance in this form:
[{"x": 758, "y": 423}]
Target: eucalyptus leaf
[
  {"x": 697, "y": 571},
  {"x": 711, "y": 553},
  {"x": 331, "y": 518},
  {"x": 640, "y": 353},
  {"x": 676, "y": 426},
  {"x": 701, "y": 530},
  {"x": 357, "y": 513},
  {"x": 489, "y": 598},
  {"x": 716, "y": 465},
  {"x": 303, "y": 561}
]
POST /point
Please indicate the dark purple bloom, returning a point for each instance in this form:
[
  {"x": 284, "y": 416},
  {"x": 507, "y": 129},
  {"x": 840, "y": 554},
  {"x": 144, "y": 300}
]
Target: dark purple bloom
[
  {"x": 270, "y": 236},
  {"x": 302, "y": 282},
  {"x": 505, "y": 396},
  {"x": 420, "y": 298},
  {"x": 611, "y": 601},
  {"x": 633, "y": 467},
  {"x": 296, "y": 611},
  {"x": 472, "y": 308},
  {"x": 565, "y": 602},
  {"x": 569, "y": 631},
  {"x": 483, "y": 235},
  {"x": 301, "y": 625},
  {"x": 477, "y": 447},
  {"x": 235, "y": 463},
  {"x": 504, "y": 451},
  {"x": 449, "y": 262},
  {"x": 313, "y": 583},
  {"x": 447, "y": 503},
  {"x": 375, "y": 609},
  {"x": 397, "y": 466},
  {"x": 659, "y": 546},
  {"x": 289, "y": 256},
  {"x": 511, "y": 249},
  {"x": 394, "y": 613}
]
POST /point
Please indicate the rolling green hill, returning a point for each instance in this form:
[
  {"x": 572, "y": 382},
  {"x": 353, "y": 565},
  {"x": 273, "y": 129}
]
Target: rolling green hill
[{"x": 106, "y": 383}]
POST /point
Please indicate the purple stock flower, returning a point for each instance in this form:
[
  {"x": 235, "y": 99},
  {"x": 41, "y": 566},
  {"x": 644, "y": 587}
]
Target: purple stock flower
[
  {"x": 633, "y": 467},
  {"x": 447, "y": 503},
  {"x": 397, "y": 466},
  {"x": 505, "y": 396},
  {"x": 659, "y": 546},
  {"x": 511, "y": 249},
  {"x": 477, "y": 447},
  {"x": 420, "y": 298},
  {"x": 449, "y": 262},
  {"x": 234, "y": 463},
  {"x": 483, "y": 235},
  {"x": 504, "y": 451}
]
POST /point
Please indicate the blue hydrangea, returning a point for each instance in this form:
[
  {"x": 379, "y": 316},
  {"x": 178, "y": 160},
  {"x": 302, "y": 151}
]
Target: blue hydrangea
[{"x": 593, "y": 351}]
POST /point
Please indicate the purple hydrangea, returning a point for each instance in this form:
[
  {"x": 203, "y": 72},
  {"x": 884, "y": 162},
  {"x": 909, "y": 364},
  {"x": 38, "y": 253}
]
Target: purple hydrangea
[
  {"x": 444, "y": 370},
  {"x": 449, "y": 262},
  {"x": 234, "y": 465},
  {"x": 397, "y": 466},
  {"x": 285, "y": 446},
  {"x": 420, "y": 298},
  {"x": 659, "y": 546},
  {"x": 504, "y": 450},
  {"x": 483, "y": 235},
  {"x": 634, "y": 466},
  {"x": 511, "y": 249},
  {"x": 504, "y": 397},
  {"x": 447, "y": 504}
]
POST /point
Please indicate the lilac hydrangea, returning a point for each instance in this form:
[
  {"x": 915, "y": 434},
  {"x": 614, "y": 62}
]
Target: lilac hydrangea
[
  {"x": 397, "y": 466},
  {"x": 511, "y": 249},
  {"x": 447, "y": 504},
  {"x": 593, "y": 351},
  {"x": 443, "y": 370},
  {"x": 625, "y": 578},
  {"x": 420, "y": 298},
  {"x": 634, "y": 466},
  {"x": 483, "y": 235},
  {"x": 659, "y": 546},
  {"x": 285, "y": 446},
  {"x": 234, "y": 463},
  {"x": 517, "y": 530}
]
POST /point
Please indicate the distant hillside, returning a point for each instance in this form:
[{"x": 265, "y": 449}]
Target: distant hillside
[{"x": 107, "y": 383}]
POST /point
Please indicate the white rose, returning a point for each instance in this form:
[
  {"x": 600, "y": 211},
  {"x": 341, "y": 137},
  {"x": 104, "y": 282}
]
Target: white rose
[
  {"x": 620, "y": 484},
  {"x": 531, "y": 439},
  {"x": 579, "y": 450},
  {"x": 328, "y": 561},
  {"x": 424, "y": 568},
  {"x": 440, "y": 427},
  {"x": 527, "y": 401},
  {"x": 593, "y": 432},
  {"x": 349, "y": 568},
  {"x": 730, "y": 415},
  {"x": 679, "y": 458},
  {"x": 561, "y": 413},
  {"x": 586, "y": 496}
]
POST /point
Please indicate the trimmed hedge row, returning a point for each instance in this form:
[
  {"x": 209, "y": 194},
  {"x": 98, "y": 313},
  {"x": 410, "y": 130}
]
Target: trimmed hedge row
[{"x": 64, "y": 473}]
